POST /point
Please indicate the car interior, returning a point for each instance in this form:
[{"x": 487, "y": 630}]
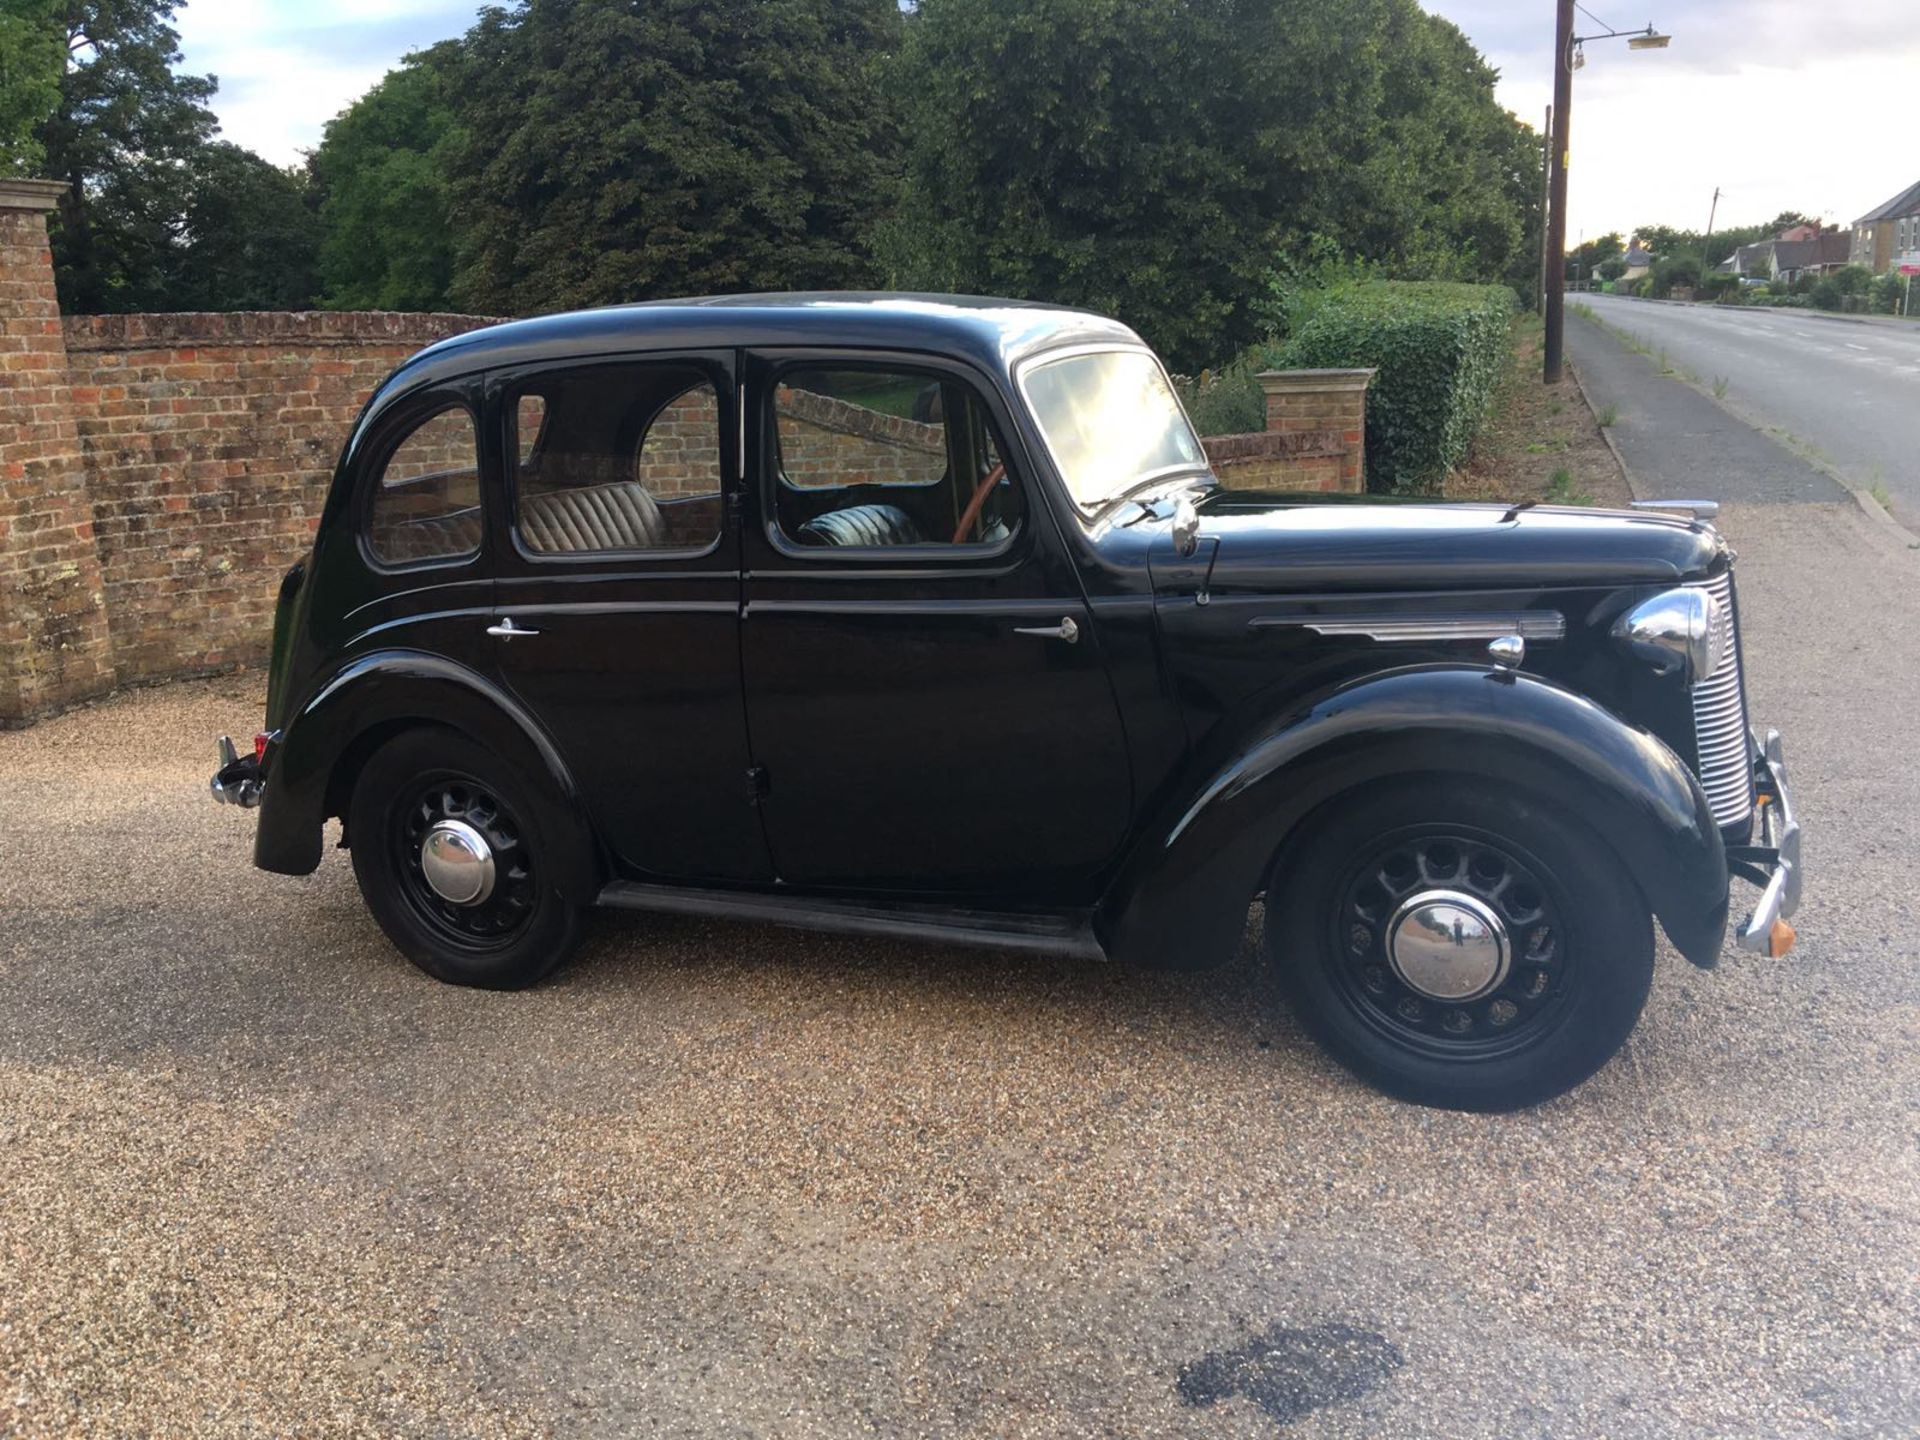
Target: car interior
[
  {"x": 871, "y": 456},
  {"x": 626, "y": 457},
  {"x": 618, "y": 458}
]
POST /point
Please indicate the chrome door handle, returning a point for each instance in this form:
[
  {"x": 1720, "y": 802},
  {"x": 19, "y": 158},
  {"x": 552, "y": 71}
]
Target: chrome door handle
[
  {"x": 1068, "y": 630},
  {"x": 507, "y": 630}
]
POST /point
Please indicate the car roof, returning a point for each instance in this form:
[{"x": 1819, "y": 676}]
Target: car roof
[{"x": 996, "y": 333}]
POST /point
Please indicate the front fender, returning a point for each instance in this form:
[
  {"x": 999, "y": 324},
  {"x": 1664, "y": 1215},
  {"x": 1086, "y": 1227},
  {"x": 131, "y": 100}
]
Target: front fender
[
  {"x": 1180, "y": 900},
  {"x": 373, "y": 694}
]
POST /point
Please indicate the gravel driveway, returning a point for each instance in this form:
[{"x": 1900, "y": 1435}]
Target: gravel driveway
[{"x": 257, "y": 1176}]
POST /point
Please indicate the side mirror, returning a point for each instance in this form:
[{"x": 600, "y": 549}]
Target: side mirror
[{"x": 1186, "y": 526}]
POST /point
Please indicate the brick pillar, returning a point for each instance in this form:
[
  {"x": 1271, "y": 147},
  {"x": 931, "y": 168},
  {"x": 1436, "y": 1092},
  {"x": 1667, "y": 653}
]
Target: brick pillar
[
  {"x": 53, "y": 626},
  {"x": 1327, "y": 411}
]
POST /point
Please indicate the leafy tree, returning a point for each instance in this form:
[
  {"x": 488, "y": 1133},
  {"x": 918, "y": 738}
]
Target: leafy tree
[
  {"x": 380, "y": 173},
  {"x": 1714, "y": 249},
  {"x": 1159, "y": 159},
  {"x": 158, "y": 215},
  {"x": 31, "y": 59},
  {"x": 619, "y": 149},
  {"x": 1451, "y": 177},
  {"x": 1586, "y": 260},
  {"x": 1081, "y": 152},
  {"x": 122, "y": 135},
  {"x": 1665, "y": 239},
  {"x": 248, "y": 238}
]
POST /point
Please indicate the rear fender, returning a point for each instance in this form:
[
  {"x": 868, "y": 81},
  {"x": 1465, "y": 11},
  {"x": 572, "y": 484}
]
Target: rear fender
[
  {"x": 1181, "y": 899},
  {"x": 381, "y": 693}
]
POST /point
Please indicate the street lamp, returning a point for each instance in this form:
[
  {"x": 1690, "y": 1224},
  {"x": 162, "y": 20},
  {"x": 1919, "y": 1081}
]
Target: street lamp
[{"x": 1567, "y": 57}]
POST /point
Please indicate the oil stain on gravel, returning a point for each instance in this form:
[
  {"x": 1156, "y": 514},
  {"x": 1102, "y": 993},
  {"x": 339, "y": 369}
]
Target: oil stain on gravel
[{"x": 1290, "y": 1373}]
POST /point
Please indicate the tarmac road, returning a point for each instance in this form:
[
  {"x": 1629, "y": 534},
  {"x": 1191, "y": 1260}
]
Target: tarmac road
[
  {"x": 258, "y": 1176},
  {"x": 1843, "y": 389}
]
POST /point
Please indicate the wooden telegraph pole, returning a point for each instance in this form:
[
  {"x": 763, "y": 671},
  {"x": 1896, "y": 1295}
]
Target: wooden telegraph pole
[{"x": 1556, "y": 306}]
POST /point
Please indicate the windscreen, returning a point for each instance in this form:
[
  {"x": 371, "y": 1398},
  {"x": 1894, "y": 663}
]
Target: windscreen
[{"x": 1111, "y": 422}]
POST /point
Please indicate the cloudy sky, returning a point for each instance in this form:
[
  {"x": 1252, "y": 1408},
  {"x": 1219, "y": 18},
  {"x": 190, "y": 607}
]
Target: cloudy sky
[{"x": 1779, "y": 103}]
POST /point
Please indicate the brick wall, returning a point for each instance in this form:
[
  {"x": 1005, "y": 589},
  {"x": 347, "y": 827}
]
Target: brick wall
[
  {"x": 1272, "y": 460},
  {"x": 209, "y": 442},
  {"x": 53, "y": 630},
  {"x": 680, "y": 453},
  {"x": 828, "y": 442},
  {"x": 1315, "y": 438}
]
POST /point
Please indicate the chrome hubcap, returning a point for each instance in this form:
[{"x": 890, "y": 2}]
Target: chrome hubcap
[
  {"x": 457, "y": 862},
  {"x": 1447, "y": 945}
]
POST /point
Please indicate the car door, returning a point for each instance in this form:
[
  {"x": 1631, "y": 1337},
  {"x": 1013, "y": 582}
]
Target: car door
[
  {"x": 928, "y": 701},
  {"x": 424, "y": 581},
  {"x": 618, "y": 601}
]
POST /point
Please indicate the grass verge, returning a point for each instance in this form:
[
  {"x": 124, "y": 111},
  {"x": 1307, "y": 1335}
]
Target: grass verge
[{"x": 1542, "y": 443}]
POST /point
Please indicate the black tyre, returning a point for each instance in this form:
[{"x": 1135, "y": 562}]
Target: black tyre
[
  {"x": 1458, "y": 946},
  {"x": 447, "y": 847}
]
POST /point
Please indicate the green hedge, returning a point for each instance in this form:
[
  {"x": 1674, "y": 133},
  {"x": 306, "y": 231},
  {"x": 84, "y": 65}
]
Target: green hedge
[
  {"x": 1440, "y": 350},
  {"x": 1228, "y": 401}
]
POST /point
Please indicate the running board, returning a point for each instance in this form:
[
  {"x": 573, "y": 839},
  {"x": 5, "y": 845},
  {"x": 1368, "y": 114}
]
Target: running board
[{"x": 1068, "y": 934}]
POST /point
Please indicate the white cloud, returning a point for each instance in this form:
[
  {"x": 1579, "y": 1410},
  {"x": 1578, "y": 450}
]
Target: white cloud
[
  {"x": 1780, "y": 104},
  {"x": 286, "y": 67}
]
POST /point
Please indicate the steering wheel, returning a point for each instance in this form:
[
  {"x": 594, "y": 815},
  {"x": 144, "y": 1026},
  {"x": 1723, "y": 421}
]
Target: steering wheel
[{"x": 971, "y": 515}]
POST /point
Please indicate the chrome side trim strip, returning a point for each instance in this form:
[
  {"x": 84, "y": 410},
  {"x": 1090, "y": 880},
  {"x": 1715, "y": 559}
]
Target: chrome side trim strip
[{"x": 1527, "y": 624}]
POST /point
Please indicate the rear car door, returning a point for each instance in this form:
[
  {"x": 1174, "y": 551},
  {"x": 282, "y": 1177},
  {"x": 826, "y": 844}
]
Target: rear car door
[
  {"x": 426, "y": 579},
  {"x": 928, "y": 700},
  {"x": 620, "y": 571}
]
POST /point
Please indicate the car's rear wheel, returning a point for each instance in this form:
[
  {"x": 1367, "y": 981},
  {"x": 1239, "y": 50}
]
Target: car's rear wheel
[
  {"x": 1457, "y": 946},
  {"x": 448, "y": 849}
]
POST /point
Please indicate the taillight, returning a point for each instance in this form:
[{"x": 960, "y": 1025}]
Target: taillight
[{"x": 260, "y": 742}]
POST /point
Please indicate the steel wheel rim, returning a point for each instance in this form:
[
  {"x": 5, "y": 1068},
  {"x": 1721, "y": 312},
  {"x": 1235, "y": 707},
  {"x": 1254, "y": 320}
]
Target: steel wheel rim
[
  {"x": 497, "y": 920},
  {"x": 1518, "y": 1008}
]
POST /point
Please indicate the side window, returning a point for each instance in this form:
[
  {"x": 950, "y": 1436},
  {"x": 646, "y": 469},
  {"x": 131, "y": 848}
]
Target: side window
[
  {"x": 617, "y": 458},
  {"x": 880, "y": 456},
  {"x": 530, "y": 414},
  {"x": 426, "y": 502}
]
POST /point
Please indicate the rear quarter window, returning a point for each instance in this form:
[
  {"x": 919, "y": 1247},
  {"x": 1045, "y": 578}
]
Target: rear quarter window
[{"x": 426, "y": 498}]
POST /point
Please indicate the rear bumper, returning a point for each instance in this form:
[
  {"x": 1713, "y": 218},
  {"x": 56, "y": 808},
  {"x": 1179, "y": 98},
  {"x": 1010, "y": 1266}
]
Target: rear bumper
[
  {"x": 238, "y": 780},
  {"x": 1774, "y": 863}
]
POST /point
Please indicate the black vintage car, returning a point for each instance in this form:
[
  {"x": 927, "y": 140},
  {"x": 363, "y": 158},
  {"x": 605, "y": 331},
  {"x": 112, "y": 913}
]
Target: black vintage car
[{"x": 924, "y": 616}]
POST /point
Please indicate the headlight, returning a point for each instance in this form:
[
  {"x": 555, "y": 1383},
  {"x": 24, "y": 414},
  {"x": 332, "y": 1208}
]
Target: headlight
[{"x": 1681, "y": 630}]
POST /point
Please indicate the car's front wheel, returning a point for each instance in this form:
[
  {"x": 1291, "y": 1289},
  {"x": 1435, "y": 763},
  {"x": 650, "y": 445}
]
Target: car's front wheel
[
  {"x": 449, "y": 853},
  {"x": 1458, "y": 946}
]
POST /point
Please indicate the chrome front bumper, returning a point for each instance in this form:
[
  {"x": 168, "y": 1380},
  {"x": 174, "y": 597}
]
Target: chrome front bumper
[
  {"x": 237, "y": 781},
  {"x": 1774, "y": 863}
]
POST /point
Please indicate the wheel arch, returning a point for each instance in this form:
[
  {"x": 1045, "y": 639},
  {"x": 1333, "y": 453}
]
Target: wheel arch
[
  {"x": 329, "y": 739},
  {"x": 1181, "y": 896},
  {"x": 345, "y": 774}
]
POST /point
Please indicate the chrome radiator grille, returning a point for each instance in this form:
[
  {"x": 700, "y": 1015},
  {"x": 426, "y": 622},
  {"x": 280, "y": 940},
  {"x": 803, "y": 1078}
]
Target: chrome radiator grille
[{"x": 1720, "y": 720}]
